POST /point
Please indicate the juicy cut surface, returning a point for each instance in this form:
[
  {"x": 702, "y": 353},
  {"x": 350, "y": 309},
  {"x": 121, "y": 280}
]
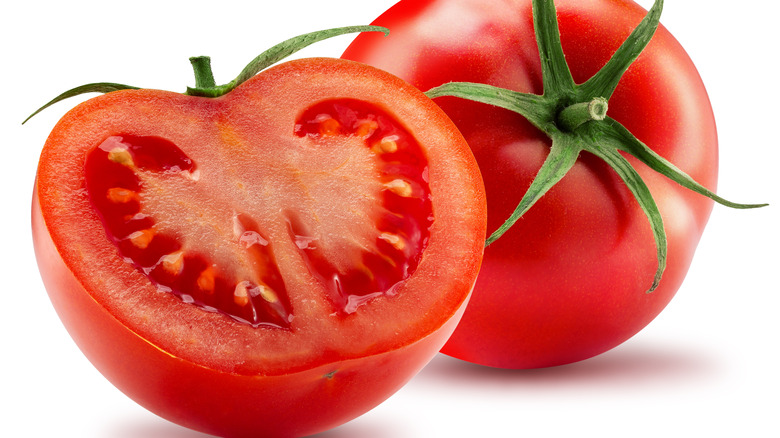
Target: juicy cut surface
[{"x": 349, "y": 192}]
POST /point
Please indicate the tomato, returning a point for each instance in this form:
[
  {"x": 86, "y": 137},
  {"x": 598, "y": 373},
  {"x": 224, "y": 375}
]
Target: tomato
[
  {"x": 272, "y": 262},
  {"x": 568, "y": 281}
]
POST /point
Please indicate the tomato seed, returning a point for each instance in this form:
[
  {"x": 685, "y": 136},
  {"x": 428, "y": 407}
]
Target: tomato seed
[
  {"x": 386, "y": 145},
  {"x": 142, "y": 238},
  {"x": 241, "y": 294},
  {"x": 206, "y": 280},
  {"x": 393, "y": 239},
  {"x": 173, "y": 262},
  {"x": 121, "y": 195},
  {"x": 366, "y": 128},
  {"x": 121, "y": 156},
  {"x": 267, "y": 294},
  {"x": 400, "y": 187},
  {"x": 330, "y": 127}
]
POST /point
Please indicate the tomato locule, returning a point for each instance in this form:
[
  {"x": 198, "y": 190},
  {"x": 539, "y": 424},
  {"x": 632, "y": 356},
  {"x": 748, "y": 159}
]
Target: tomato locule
[{"x": 270, "y": 258}]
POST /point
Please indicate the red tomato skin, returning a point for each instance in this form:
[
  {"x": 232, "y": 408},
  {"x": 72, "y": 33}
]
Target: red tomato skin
[
  {"x": 208, "y": 400},
  {"x": 568, "y": 282},
  {"x": 301, "y": 402}
]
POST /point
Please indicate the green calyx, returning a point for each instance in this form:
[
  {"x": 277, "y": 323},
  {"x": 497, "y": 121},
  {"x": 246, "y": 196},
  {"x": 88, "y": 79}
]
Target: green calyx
[
  {"x": 574, "y": 117},
  {"x": 205, "y": 86}
]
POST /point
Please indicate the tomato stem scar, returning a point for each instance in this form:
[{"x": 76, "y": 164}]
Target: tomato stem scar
[{"x": 574, "y": 116}]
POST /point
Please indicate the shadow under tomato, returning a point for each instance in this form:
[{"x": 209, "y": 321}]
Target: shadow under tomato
[
  {"x": 358, "y": 429},
  {"x": 154, "y": 427},
  {"x": 635, "y": 364}
]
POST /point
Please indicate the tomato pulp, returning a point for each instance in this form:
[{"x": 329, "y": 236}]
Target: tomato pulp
[
  {"x": 568, "y": 281},
  {"x": 272, "y": 262}
]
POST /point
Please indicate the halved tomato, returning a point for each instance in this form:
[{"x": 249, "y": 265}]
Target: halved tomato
[{"x": 271, "y": 262}]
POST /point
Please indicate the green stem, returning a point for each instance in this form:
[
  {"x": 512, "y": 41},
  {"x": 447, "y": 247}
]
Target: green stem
[
  {"x": 97, "y": 87},
  {"x": 556, "y": 76},
  {"x": 268, "y": 58},
  {"x": 205, "y": 85},
  {"x": 573, "y": 116},
  {"x": 204, "y": 77}
]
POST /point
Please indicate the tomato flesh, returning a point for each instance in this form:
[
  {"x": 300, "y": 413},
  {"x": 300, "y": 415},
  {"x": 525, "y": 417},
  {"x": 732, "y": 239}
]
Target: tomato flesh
[{"x": 121, "y": 166}]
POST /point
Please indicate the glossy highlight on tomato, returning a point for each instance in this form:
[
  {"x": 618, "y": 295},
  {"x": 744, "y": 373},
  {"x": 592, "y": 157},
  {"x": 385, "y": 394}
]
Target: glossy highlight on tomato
[
  {"x": 271, "y": 262},
  {"x": 569, "y": 280}
]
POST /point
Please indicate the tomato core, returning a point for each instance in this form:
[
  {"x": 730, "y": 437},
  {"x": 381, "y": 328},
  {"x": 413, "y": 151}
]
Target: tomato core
[{"x": 119, "y": 170}]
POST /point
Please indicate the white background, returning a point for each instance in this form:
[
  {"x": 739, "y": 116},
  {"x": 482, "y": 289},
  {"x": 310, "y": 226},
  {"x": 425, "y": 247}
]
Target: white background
[{"x": 708, "y": 364}]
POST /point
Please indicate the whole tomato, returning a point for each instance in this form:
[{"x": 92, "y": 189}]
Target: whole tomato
[
  {"x": 271, "y": 257},
  {"x": 570, "y": 279}
]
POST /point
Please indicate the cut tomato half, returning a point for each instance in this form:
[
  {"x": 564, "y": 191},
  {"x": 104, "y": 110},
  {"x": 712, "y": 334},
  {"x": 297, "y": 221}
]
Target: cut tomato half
[{"x": 274, "y": 261}]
